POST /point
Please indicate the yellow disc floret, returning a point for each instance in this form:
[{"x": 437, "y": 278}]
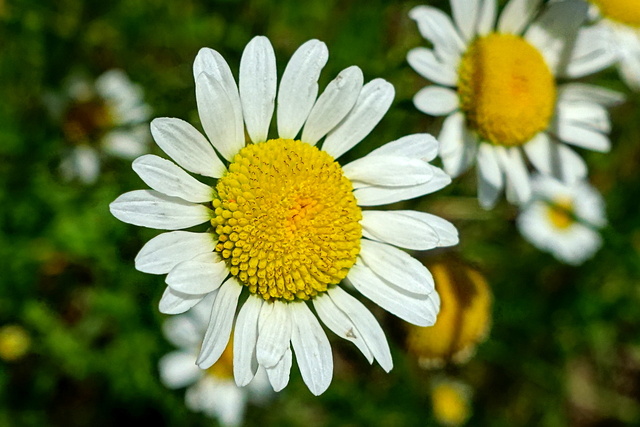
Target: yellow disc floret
[
  {"x": 561, "y": 213},
  {"x": 287, "y": 220},
  {"x": 506, "y": 89},
  {"x": 624, "y": 11}
]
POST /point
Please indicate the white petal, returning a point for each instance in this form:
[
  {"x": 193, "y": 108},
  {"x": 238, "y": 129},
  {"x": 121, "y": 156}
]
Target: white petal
[
  {"x": 486, "y": 17},
  {"x": 586, "y": 114},
  {"x": 515, "y": 171},
  {"x": 490, "y": 176},
  {"x": 397, "y": 267},
  {"x": 82, "y": 162},
  {"x": 167, "y": 178},
  {"x": 551, "y": 158},
  {"x": 199, "y": 275},
  {"x": 160, "y": 254},
  {"x": 436, "y": 100},
  {"x": 312, "y": 348},
  {"x": 457, "y": 145},
  {"x": 340, "y": 323},
  {"x": 573, "y": 168},
  {"x": 219, "y": 330},
  {"x": 372, "y": 104},
  {"x": 127, "y": 144},
  {"x": 183, "y": 331},
  {"x": 258, "y": 80},
  {"x": 366, "y": 324},
  {"x": 447, "y": 232},
  {"x": 279, "y": 374},
  {"x": 333, "y": 105},
  {"x": 299, "y": 87},
  {"x": 436, "y": 26},
  {"x": 580, "y": 92},
  {"x": 465, "y": 14},
  {"x": 374, "y": 195},
  {"x": 178, "y": 369},
  {"x": 388, "y": 170},
  {"x": 218, "y": 116},
  {"x": 187, "y": 147},
  {"x": 148, "y": 208},
  {"x": 418, "y": 146},
  {"x": 582, "y": 136},
  {"x": 245, "y": 337},
  {"x": 414, "y": 308},
  {"x": 591, "y": 52},
  {"x": 516, "y": 15},
  {"x": 274, "y": 333},
  {"x": 425, "y": 62},
  {"x": 554, "y": 32},
  {"x": 399, "y": 229},
  {"x": 173, "y": 302}
]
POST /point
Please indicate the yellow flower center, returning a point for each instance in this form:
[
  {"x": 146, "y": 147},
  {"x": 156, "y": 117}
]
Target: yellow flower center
[
  {"x": 14, "y": 342},
  {"x": 86, "y": 121},
  {"x": 561, "y": 213},
  {"x": 506, "y": 89},
  {"x": 287, "y": 220},
  {"x": 450, "y": 405},
  {"x": 623, "y": 11},
  {"x": 223, "y": 368}
]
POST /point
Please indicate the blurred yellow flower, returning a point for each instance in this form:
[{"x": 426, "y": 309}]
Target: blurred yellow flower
[
  {"x": 14, "y": 342},
  {"x": 450, "y": 402},
  {"x": 464, "y": 319}
]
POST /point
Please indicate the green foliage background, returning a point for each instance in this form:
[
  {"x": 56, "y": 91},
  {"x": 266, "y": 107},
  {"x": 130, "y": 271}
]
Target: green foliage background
[{"x": 564, "y": 347}]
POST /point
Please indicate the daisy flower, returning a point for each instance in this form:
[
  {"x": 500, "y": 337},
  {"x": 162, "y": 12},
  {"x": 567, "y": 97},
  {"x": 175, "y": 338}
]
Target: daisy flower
[
  {"x": 495, "y": 83},
  {"x": 464, "y": 320},
  {"x": 563, "y": 218},
  {"x": 614, "y": 37},
  {"x": 107, "y": 116},
  {"x": 212, "y": 391},
  {"x": 286, "y": 220}
]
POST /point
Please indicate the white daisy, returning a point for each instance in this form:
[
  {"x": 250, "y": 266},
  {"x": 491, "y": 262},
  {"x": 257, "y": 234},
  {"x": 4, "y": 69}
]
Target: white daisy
[
  {"x": 614, "y": 37},
  {"x": 286, "y": 219},
  {"x": 107, "y": 116},
  {"x": 563, "y": 218},
  {"x": 212, "y": 391},
  {"x": 495, "y": 83}
]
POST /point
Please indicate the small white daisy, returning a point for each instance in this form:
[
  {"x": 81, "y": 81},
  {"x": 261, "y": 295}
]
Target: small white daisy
[
  {"x": 212, "y": 391},
  {"x": 614, "y": 37},
  {"x": 286, "y": 222},
  {"x": 107, "y": 116},
  {"x": 495, "y": 83},
  {"x": 563, "y": 219}
]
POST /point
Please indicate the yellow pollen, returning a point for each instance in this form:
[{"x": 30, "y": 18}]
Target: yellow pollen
[
  {"x": 287, "y": 220},
  {"x": 223, "y": 368},
  {"x": 561, "y": 213},
  {"x": 506, "y": 89},
  {"x": 624, "y": 11}
]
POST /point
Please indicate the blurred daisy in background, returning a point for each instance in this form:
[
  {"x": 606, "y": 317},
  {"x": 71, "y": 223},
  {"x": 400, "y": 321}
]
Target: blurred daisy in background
[
  {"x": 212, "y": 391},
  {"x": 107, "y": 116},
  {"x": 451, "y": 402},
  {"x": 615, "y": 35},
  {"x": 286, "y": 222},
  {"x": 563, "y": 219},
  {"x": 496, "y": 86},
  {"x": 464, "y": 320}
]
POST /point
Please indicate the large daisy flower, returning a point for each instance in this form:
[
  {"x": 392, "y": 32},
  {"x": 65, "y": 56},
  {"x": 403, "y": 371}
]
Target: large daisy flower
[
  {"x": 563, "y": 219},
  {"x": 107, "y": 116},
  {"x": 286, "y": 220},
  {"x": 615, "y": 36},
  {"x": 212, "y": 391},
  {"x": 495, "y": 83}
]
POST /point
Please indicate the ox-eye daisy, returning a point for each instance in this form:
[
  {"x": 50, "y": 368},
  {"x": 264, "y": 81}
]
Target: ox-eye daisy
[
  {"x": 614, "y": 37},
  {"x": 496, "y": 85},
  {"x": 563, "y": 219},
  {"x": 286, "y": 222}
]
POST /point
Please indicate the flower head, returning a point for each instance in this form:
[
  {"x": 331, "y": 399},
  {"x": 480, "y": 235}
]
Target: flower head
[
  {"x": 107, "y": 116},
  {"x": 496, "y": 85},
  {"x": 287, "y": 226},
  {"x": 563, "y": 219}
]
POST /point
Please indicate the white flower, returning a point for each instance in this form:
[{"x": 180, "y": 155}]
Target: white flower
[
  {"x": 495, "y": 83},
  {"x": 286, "y": 223},
  {"x": 213, "y": 392},
  {"x": 105, "y": 117},
  {"x": 563, "y": 218},
  {"x": 613, "y": 38}
]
